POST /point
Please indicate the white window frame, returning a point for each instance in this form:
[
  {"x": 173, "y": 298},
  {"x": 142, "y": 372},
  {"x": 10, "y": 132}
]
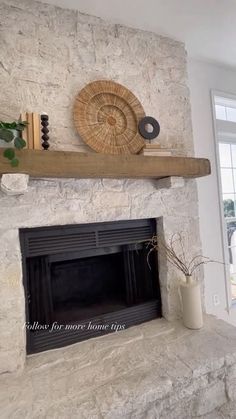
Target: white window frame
[{"x": 223, "y": 227}]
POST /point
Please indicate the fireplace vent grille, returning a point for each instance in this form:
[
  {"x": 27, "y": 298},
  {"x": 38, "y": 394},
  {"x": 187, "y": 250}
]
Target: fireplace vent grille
[
  {"x": 38, "y": 246},
  {"x": 84, "y": 237},
  {"x": 124, "y": 236}
]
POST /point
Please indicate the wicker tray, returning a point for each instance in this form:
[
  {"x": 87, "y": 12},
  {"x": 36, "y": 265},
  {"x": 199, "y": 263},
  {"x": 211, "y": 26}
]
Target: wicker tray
[{"x": 106, "y": 115}]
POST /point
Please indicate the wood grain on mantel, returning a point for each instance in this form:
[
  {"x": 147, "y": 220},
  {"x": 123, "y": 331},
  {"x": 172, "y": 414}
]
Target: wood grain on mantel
[{"x": 60, "y": 164}]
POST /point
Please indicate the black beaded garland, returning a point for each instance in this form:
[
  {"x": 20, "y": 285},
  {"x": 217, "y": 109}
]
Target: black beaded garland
[{"x": 45, "y": 131}]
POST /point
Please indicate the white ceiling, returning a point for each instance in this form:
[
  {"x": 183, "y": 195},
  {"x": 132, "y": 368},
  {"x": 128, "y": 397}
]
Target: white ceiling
[{"x": 208, "y": 27}]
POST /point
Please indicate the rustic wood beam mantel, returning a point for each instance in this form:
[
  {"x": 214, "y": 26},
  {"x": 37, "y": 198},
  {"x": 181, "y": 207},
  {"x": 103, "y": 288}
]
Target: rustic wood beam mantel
[{"x": 60, "y": 164}]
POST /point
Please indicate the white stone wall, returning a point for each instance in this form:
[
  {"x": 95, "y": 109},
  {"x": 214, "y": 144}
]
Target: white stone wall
[{"x": 47, "y": 56}]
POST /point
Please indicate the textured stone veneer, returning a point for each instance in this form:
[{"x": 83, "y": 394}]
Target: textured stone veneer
[
  {"x": 47, "y": 55},
  {"x": 56, "y": 52}
]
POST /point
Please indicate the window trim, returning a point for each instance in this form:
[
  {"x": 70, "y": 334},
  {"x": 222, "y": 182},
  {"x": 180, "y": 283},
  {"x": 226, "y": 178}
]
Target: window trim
[{"x": 224, "y": 242}]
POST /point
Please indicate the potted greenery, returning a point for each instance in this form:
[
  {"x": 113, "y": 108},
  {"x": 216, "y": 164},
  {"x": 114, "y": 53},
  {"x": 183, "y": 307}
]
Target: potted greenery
[
  {"x": 11, "y": 134},
  {"x": 190, "y": 287}
]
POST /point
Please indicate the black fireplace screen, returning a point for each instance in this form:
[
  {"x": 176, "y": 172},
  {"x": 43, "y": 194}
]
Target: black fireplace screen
[{"x": 86, "y": 280}]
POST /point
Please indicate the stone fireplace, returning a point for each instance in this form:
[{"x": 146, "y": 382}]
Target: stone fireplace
[
  {"x": 52, "y": 62},
  {"x": 171, "y": 202},
  {"x": 155, "y": 369}
]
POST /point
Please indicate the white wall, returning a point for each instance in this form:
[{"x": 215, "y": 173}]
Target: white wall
[{"x": 202, "y": 78}]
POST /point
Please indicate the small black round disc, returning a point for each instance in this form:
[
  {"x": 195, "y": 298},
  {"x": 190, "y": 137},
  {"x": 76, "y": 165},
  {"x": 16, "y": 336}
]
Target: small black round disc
[{"x": 145, "y": 123}]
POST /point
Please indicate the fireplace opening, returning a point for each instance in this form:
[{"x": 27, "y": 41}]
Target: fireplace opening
[
  {"x": 87, "y": 287},
  {"x": 86, "y": 280}
]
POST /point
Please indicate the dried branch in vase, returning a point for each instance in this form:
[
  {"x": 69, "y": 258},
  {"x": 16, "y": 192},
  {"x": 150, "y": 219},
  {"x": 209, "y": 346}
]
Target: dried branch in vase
[{"x": 174, "y": 251}]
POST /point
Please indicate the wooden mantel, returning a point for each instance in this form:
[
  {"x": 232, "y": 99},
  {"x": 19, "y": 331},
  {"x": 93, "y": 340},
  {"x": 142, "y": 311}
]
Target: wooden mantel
[{"x": 60, "y": 164}]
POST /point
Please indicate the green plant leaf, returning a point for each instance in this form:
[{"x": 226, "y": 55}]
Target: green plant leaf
[
  {"x": 6, "y": 135},
  {"x": 9, "y": 153},
  {"x": 12, "y": 125},
  {"x": 19, "y": 143},
  {"x": 21, "y": 125},
  {"x": 14, "y": 162},
  {"x": 18, "y": 125},
  {"x": 8, "y": 125}
]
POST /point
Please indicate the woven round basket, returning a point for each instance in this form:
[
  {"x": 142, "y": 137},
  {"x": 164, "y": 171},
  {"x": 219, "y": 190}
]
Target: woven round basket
[{"x": 106, "y": 116}]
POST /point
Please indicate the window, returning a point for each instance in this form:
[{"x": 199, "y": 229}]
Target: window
[
  {"x": 225, "y": 109},
  {"x": 225, "y": 123}
]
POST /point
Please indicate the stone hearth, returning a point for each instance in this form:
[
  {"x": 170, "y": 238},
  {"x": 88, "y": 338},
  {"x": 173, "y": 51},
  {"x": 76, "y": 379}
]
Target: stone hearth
[{"x": 158, "y": 370}]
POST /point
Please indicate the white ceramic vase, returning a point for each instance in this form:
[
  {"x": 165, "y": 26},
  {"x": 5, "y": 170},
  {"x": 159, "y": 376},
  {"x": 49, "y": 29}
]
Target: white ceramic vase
[{"x": 191, "y": 303}]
